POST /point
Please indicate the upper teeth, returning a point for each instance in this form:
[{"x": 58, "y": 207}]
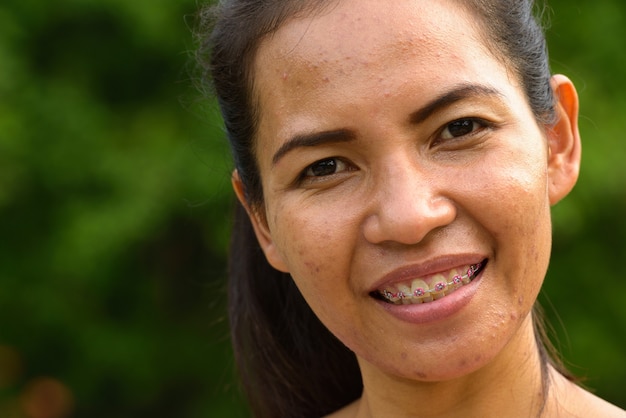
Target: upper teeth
[{"x": 420, "y": 292}]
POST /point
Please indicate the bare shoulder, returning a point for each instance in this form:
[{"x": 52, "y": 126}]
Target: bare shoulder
[
  {"x": 574, "y": 401},
  {"x": 348, "y": 411},
  {"x": 593, "y": 406}
]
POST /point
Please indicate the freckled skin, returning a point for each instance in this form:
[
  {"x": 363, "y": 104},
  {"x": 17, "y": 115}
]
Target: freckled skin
[
  {"x": 403, "y": 198},
  {"x": 492, "y": 199}
]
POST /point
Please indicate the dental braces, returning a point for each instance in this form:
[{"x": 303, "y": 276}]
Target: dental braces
[{"x": 457, "y": 281}]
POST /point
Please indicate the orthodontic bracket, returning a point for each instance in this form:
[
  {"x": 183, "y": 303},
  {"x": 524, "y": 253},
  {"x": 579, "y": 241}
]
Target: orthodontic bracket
[{"x": 439, "y": 287}]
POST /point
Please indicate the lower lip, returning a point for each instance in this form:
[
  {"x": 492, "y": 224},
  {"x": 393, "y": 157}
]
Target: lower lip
[{"x": 437, "y": 310}]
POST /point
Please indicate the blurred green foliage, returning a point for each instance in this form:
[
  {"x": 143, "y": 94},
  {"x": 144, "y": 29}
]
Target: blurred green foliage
[{"x": 115, "y": 199}]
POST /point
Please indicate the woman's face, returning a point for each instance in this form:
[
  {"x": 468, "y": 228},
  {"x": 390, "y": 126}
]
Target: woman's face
[{"x": 396, "y": 152}]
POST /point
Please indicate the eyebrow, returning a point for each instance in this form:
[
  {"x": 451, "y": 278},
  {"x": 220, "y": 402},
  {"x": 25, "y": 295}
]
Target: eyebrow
[
  {"x": 456, "y": 94},
  {"x": 312, "y": 140}
]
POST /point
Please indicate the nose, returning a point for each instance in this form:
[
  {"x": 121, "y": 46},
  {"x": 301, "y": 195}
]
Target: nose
[{"x": 408, "y": 202}]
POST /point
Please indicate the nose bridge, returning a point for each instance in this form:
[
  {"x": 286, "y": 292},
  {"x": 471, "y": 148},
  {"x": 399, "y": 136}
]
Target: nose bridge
[{"x": 407, "y": 202}]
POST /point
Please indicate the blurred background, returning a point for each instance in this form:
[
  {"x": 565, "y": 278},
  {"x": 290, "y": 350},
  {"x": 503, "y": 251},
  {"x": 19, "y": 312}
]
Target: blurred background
[{"x": 115, "y": 200}]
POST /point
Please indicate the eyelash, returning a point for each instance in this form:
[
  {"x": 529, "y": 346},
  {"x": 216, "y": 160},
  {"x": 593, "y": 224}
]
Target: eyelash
[
  {"x": 477, "y": 126},
  {"x": 335, "y": 163},
  {"x": 339, "y": 165}
]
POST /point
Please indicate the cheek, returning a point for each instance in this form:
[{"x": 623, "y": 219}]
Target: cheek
[
  {"x": 315, "y": 246},
  {"x": 320, "y": 252},
  {"x": 514, "y": 188},
  {"x": 511, "y": 203}
]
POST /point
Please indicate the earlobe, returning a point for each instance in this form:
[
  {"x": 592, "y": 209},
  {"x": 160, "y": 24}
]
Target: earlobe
[
  {"x": 261, "y": 229},
  {"x": 563, "y": 141}
]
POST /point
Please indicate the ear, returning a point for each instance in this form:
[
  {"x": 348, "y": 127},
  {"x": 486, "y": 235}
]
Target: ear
[
  {"x": 261, "y": 229},
  {"x": 563, "y": 141}
]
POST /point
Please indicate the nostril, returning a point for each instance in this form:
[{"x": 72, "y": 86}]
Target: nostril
[{"x": 405, "y": 221}]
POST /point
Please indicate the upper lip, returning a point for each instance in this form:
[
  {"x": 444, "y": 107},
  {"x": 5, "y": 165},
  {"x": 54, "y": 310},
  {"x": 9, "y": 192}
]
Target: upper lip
[{"x": 427, "y": 268}]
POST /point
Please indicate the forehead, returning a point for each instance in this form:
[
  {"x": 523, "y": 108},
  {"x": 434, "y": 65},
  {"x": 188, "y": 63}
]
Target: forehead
[
  {"x": 353, "y": 49},
  {"x": 355, "y": 34}
]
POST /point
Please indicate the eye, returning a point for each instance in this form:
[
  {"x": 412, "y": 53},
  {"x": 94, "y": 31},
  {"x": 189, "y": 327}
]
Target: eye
[
  {"x": 461, "y": 127},
  {"x": 326, "y": 167}
]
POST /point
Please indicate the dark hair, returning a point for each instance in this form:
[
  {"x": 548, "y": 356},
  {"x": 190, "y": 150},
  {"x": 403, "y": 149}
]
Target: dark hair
[{"x": 290, "y": 364}]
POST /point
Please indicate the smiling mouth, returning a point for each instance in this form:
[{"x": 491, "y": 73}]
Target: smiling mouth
[{"x": 418, "y": 291}]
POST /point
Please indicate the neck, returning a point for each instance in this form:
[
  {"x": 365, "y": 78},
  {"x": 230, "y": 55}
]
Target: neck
[{"x": 510, "y": 385}]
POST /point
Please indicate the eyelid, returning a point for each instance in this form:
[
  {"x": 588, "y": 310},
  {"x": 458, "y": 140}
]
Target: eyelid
[
  {"x": 304, "y": 177},
  {"x": 337, "y": 163},
  {"x": 482, "y": 122}
]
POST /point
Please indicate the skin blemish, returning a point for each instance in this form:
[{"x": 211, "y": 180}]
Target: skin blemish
[
  {"x": 342, "y": 237},
  {"x": 312, "y": 267}
]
